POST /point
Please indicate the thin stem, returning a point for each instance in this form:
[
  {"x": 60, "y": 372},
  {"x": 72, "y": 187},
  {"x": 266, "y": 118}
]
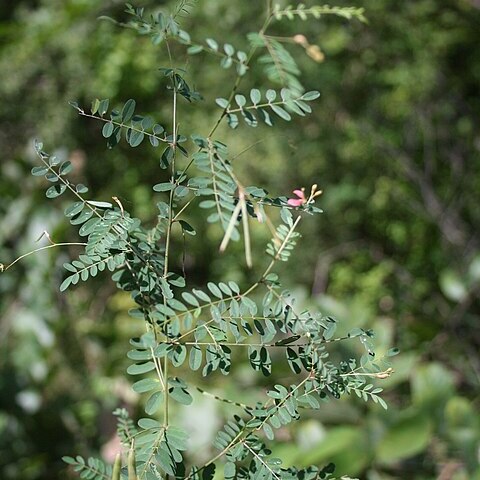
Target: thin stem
[
  {"x": 153, "y": 450},
  {"x": 233, "y": 344},
  {"x": 269, "y": 9},
  {"x": 221, "y": 399},
  {"x": 158, "y": 368},
  {"x": 211, "y": 335},
  {"x": 168, "y": 234},
  {"x": 220, "y": 455},
  {"x": 170, "y": 203},
  {"x": 165, "y": 403},
  {"x": 260, "y": 459},
  {"x": 182, "y": 210},
  {"x": 282, "y": 247},
  {"x": 209, "y": 50},
  {"x": 122, "y": 125},
  {"x": 246, "y": 231},
  {"x": 4, "y": 268},
  {"x": 259, "y": 105},
  {"x": 169, "y": 227}
]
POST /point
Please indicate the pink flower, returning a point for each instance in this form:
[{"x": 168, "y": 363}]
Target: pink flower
[{"x": 297, "y": 202}]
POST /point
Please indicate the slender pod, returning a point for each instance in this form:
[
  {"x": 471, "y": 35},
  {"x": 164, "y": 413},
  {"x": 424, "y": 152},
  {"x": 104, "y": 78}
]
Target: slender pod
[
  {"x": 132, "y": 471},
  {"x": 117, "y": 466}
]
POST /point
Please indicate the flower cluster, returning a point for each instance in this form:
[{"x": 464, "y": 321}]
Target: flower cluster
[{"x": 302, "y": 199}]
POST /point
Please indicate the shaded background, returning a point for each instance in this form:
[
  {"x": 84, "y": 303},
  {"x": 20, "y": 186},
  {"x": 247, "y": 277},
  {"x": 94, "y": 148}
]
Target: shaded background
[{"x": 393, "y": 142}]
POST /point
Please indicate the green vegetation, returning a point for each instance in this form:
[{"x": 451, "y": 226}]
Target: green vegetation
[{"x": 392, "y": 141}]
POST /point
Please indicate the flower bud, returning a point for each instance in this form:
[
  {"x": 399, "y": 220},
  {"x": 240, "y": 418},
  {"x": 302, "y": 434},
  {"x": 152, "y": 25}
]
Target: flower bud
[
  {"x": 314, "y": 52},
  {"x": 301, "y": 40}
]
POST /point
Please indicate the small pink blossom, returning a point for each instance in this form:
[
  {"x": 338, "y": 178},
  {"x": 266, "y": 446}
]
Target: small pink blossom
[
  {"x": 302, "y": 199},
  {"x": 297, "y": 202}
]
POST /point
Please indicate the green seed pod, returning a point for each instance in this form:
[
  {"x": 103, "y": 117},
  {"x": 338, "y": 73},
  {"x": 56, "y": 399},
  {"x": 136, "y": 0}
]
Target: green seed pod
[
  {"x": 117, "y": 466},
  {"x": 132, "y": 471}
]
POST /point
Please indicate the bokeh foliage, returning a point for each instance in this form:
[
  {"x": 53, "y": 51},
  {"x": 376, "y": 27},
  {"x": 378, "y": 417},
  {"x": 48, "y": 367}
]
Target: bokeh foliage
[{"x": 394, "y": 144}]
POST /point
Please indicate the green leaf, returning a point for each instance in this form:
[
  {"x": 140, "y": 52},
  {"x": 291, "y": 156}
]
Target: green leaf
[
  {"x": 286, "y": 341},
  {"x": 103, "y": 107},
  {"x": 165, "y": 461},
  {"x": 268, "y": 431},
  {"x": 81, "y": 217},
  {"x": 309, "y": 96},
  {"x": 181, "y": 191},
  {"x": 179, "y": 355},
  {"x": 255, "y": 96},
  {"x": 228, "y": 49},
  {"x": 215, "y": 290},
  {"x": 80, "y": 188},
  {"x": 158, "y": 129},
  {"x": 39, "y": 171},
  {"x": 95, "y": 105},
  {"x": 99, "y": 204},
  {"x": 282, "y": 113},
  {"x": 212, "y": 44},
  {"x": 229, "y": 471},
  {"x": 139, "y": 368},
  {"x": 52, "y": 177},
  {"x": 69, "y": 267},
  {"x": 293, "y": 361},
  {"x": 154, "y": 402},
  {"x": 147, "y": 123},
  {"x": 187, "y": 227},
  {"x": 189, "y": 298},
  {"x": 107, "y": 129},
  {"x": 271, "y": 95},
  {"x": 163, "y": 187},
  {"x": 139, "y": 354},
  {"x": 166, "y": 158},
  {"x": 392, "y": 352},
  {"x": 65, "y": 284},
  {"x": 74, "y": 209},
  {"x": 232, "y": 120},
  {"x": 55, "y": 190},
  {"x": 226, "y": 62},
  {"x": 145, "y": 385},
  {"x": 65, "y": 167},
  {"x": 181, "y": 395},
  {"x": 195, "y": 357},
  {"x": 194, "y": 49},
  {"x": 128, "y": 110},
  {"x": 222, "y": 102},
  {"x": 148, "y": 340},
  {"x": 240, "y": 100},
  {"x": 149, "y": 423},
  {"x": 88, "y": 227},
  {"x": 135, "y": 138}
]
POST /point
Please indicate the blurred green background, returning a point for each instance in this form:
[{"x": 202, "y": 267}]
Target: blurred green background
[{"x": 394, "y": 143}]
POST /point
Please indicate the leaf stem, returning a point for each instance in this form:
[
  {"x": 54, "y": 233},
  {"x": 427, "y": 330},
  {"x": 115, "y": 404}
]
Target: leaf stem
[
  {"x": 165, "y": 403},
  {"x": 4, "y": 268},
  {"x": 122, "y": 125}
]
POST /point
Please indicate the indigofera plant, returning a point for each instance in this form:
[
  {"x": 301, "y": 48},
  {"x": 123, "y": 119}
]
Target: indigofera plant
[{"x": 199, "y": 328}]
